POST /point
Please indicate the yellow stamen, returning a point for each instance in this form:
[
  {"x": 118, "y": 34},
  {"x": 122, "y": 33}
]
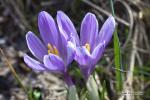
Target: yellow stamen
[
  {"x": 52, "y": 49},
  {"x": 49, "y": 46},
  {"x": 55, "y": 50},
  {"x": 87, "y": 46},
  {"x": 49, "y": 51}
]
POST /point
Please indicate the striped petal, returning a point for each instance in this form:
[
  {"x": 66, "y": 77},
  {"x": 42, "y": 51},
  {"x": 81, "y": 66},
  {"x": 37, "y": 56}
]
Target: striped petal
[
  {"x": 66, "y": 26},
  {"x": 35, "y": 46},
  {"x": 97, "y": 52},
  {"x": 54, "y": 63},
  {"x": 70, "y": 52},
  {"x": 83, "y": 56},
  {"x": 33, "y": 64},
  {"x": 47, "y": 28},
  {"x": 106, "y": 31},
  {"x": 89, "y": 30}
]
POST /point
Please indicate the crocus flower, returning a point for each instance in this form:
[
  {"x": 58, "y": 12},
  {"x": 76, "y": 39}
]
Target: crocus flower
[
  {"x": 54, "y": 53},
  {"x": 90, "y": 47}
]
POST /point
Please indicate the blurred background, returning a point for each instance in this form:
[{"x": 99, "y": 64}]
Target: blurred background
[{"x": 17, "y": 17}]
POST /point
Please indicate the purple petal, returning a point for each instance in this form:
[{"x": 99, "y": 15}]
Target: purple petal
[
  {"x": 70, "y": 52},
  {"x": 54, "y": 63},
  {"x": 107, "y": 30},
  {"x": 47, "y": 28},
  {"x": 33, "y": 64},
  {"x": 66, "y": 27},
  {"x": 66, "y": 50},
  {"x": 89, "y": 29},
  {"x": 97, "y": 52},
  {"x": 68, "y": 79},
  {"x": 72, "y": 39},
  {"x": 62, "y": 47},
  {"x": 35, "y": 46},
  {"x": 86, "y": 71},
  {"x": 83, "y": 56}
]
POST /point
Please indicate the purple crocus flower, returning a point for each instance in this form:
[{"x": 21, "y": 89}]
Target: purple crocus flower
[
  {"x": 92, "y": 43},
  {"x": 54, "y": 53}
]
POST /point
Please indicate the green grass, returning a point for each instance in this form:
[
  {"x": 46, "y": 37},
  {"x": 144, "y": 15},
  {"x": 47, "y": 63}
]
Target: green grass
[{"x": 117, "y": 56}]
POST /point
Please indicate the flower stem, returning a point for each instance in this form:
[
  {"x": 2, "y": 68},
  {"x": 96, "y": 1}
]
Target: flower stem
[
  {"x": 92, "y": 89},
  {"x": 72, "y": 93}
]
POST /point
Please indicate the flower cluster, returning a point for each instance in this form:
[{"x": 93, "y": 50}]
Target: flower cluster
[{"x": 61, "y": 44}]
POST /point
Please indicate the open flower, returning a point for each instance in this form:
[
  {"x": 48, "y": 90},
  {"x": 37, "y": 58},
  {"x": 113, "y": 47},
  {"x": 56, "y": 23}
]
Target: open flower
[
  {"x": 54, "y": 53},
  {"x": 92, "y": 43}
]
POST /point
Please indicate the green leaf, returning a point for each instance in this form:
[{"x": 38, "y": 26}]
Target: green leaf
[
  {"x": 103, "y": 90},
  {"x": 118, "y": 62},
  {"x": 117, "y": 55},
  {"x": 92, "y": 89},
  {"x": 34, "y": 94},
  {"x": 30, "y": 94},
  {"x": 37, "y": 94}
]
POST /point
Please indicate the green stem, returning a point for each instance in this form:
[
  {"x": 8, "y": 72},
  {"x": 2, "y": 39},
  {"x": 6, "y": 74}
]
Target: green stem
[
  {"x": 72, "y": 93},
  {"x": 92, "y": 89}
]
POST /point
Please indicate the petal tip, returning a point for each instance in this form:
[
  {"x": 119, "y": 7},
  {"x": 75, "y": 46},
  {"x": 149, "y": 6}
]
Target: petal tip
[
  {"x": 60, "y": 12},
  {"x": 89, "y": 14},
  {"x": 25, "y": 57},
  {"x": 28, "y": 34},
  {"x": 111, "y": 18},
  {"x": 44, "y": 59},
  {"x": 33, "y": 64},
  {"x": 42, "y": 12}
]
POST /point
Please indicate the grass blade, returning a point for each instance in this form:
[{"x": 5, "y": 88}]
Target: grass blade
[
  {"x": 14, "y": 72},
  {"x": 117, "y": 55}
]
